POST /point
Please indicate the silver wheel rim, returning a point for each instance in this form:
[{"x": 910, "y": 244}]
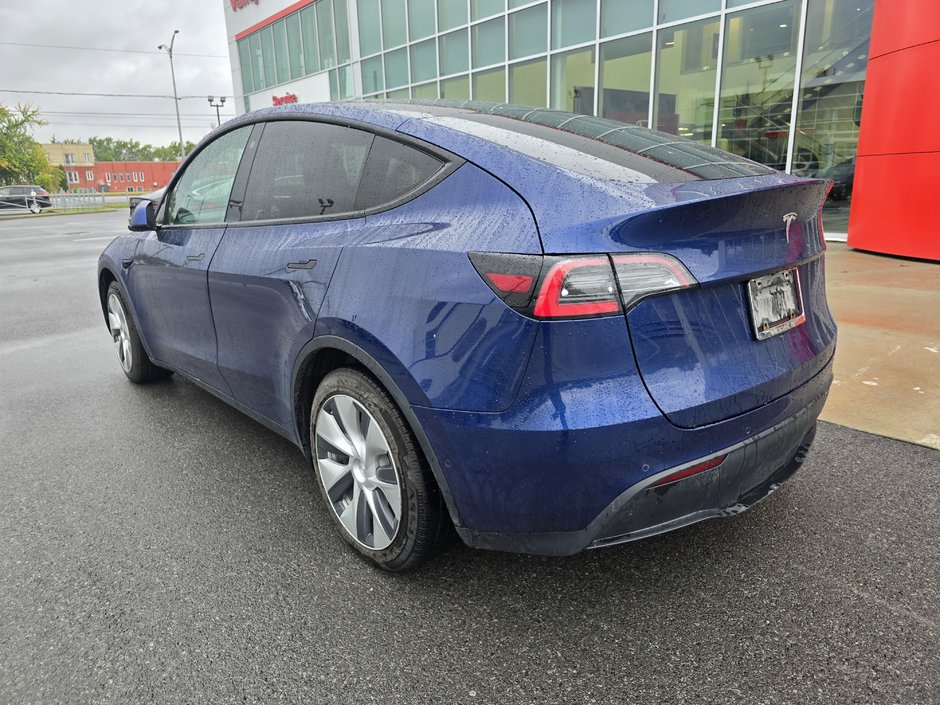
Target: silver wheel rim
[
  {"x": 120, "y": 336},
  {"x": 34, "y": 207},
  {"x": 355, "y": 465}
]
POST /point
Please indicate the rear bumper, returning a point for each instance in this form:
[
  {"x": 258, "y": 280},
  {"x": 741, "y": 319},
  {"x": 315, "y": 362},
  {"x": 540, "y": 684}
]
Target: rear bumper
[{"x": 752, "y": 470}]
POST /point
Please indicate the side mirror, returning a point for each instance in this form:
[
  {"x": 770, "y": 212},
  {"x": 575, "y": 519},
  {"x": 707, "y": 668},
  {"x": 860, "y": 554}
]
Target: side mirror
[{"x": 143, "y": 218}]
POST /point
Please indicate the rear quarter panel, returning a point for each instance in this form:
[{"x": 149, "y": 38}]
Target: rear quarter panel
[{"x": 405, "y": 291}]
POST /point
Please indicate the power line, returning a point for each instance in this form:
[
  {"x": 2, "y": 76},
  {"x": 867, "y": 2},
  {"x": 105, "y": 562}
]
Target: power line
[
  {"x": 121, "y": 51},
  {"x": 105, "y": 95},
  {"x": 147, "y": 115}
]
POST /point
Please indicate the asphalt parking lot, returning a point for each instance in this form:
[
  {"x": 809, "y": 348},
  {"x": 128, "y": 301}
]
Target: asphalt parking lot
[{"x": 158, "y": 546}]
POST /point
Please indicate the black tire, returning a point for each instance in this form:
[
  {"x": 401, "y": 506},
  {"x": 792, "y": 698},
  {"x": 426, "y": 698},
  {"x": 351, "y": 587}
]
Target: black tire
[
  {"x": 140, "y": 369},
  {"x": 423, "y": 524}
]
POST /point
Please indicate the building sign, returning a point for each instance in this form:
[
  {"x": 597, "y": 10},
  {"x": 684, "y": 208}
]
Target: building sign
[
  {"x": 240, "y": 4},
  {"x": 284, "y": 99}
]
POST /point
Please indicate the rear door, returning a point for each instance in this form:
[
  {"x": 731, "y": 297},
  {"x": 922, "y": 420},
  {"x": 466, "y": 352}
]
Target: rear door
[
  {"x": 309, "y": 188},
  {"x": 271, "y": 270},
  {"x": 168, "y": 276}
]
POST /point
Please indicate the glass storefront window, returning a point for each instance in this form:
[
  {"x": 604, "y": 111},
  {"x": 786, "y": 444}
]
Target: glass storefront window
[
  {"x": 454, "y": 52},
  {"x": 625, "y": 79},
  {"x": 308, "y": 28},
  {"x": 400, "y": 94},
  {"x": 620, "y": 16},
  {"x": 420, "y": 19},
  {"x": 573, "y": 81},
  {"x": 396, "y": 68},
  {"x": 456, "y": 88},
  {"x": 341, "y": 21},
  {"x": 573, "y": 22},
  {"x": 672, "y": 10},
  {"x": 686, "y": 58},
  {"x": 394, "y": 30},
  {"x": 423, "y": 61},
  {"x": 485, "y": 8},
  {"x": 450, "y": 14},
  {"x": 326, "y": 37},
  {"x": 267, "y": 53},
  {"x": 428, "y": 91},
  {"x": 244, "y": 60},
  {"x": 528, "y": 31},
  {"x": 490, "y": 85},
  {"x": 489, "y": 42},
  {"x": 835, "y": 62},
  {"x": 757, "y": 82},
  {"x": 341, "y": 83},
  {"x": 294, "y": 46},
  {"x": 518, "y": 3},
  {"x": 528, "y": 83},
  {"x": 280, "y": 52},
  {"x": 370, "y": 27},
  {"x": 257, "y": 61},
  {"x": 373, "y": 78}
]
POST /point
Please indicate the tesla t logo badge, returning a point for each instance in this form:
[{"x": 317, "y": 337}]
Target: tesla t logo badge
[{"x": 788, "y": 219}]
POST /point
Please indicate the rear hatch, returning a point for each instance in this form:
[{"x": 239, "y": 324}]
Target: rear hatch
[
  {"x": 750, "y": 236},
  {"x": 711, "y": 351}
]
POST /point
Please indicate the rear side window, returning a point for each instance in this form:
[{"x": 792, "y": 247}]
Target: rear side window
[
  {"x": 305, "y": 170},
  {"x": 393, "y": 171}
]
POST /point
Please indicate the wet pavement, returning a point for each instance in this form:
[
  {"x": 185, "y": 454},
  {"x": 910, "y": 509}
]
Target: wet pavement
[
  {"x": 887, "y": 367},
  {"x": 158, "y": 546}
]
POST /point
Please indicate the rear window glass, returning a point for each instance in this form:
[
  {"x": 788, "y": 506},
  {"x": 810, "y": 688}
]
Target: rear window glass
[
  {"x": 651, "y": 155},
  {"x": 393, "y": 171},
  {"x": 305, "y": 170}
]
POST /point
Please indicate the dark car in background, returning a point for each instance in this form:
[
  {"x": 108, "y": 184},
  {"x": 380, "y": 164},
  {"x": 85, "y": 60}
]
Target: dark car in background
[
  {"x": 27, "y": 197},
  {"x": 543, "y": 330},
  {"x": 842, "y": 176}
]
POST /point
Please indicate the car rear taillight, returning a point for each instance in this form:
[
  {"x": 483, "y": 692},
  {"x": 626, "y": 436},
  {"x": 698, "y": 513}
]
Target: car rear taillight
[
  {"x": 581, "y": 286},
  {"x": 576, "y": 288},
  {"x": 644, "y": 274}
]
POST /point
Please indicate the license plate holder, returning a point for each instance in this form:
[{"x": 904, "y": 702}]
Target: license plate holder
[{"x": 776, "y": 302}]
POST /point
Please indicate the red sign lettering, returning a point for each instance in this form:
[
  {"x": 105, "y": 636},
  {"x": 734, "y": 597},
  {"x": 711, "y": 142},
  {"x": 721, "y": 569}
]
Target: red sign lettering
[
  {"x": 240, "y": 4},
  {"x": 284, "y": 99}
]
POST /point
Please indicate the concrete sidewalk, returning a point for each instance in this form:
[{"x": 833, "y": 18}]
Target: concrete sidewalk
[{"x": 887, "y": 367}]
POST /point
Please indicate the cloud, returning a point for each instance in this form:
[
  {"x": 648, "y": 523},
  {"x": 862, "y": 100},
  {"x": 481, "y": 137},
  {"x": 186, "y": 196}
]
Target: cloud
[{"x": 138, "y": 25}]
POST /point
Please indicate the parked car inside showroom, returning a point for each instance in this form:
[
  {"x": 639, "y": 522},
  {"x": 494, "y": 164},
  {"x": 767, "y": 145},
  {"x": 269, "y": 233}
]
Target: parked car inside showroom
[
  {"x": 546, "y": 331},
  {"x": 24, "y": 197}
]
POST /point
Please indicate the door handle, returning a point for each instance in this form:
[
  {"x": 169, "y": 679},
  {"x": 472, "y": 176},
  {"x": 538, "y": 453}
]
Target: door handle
[
  {"x": 309, "y": 264},
  {"x": 196, "y": 258}
]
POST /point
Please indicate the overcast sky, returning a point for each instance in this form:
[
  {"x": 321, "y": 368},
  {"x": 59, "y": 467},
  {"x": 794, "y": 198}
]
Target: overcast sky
[{"x": 137, "y": 25}]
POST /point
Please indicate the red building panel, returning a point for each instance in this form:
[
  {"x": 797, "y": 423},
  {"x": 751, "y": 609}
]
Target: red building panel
[{"x": 895, "y": 208}]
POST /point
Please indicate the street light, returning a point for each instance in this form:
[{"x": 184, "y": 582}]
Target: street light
[
  {"x": 220, "y": 104},
  {"x": 176, "y": 100}
]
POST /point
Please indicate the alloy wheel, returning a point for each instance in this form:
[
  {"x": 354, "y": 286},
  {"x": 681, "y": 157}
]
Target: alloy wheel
[
  {"x": 117, "y": 322},
  {"x": 355, "y": 465}
]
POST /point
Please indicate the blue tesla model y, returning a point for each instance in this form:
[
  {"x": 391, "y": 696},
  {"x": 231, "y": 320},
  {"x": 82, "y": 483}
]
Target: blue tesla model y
[{"x": 543, "y": 330}]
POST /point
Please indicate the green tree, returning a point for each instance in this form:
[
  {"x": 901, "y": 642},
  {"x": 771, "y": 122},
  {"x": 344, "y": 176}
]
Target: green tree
[{"x": 21, "y": 158}]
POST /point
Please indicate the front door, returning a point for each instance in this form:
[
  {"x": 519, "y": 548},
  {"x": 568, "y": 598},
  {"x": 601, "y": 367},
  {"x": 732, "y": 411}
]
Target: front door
[{"x": 168, "y": 275}]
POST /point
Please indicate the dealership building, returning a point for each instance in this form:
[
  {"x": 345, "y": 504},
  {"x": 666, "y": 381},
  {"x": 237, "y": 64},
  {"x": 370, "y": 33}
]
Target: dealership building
[{"x": 736, "y": 74}]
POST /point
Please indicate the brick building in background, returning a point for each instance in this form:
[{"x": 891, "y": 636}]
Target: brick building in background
[{"x": 86, "y": 175}]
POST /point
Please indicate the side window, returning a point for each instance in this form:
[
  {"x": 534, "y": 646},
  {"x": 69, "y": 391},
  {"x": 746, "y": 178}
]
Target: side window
[
  {"x": 394, "y": 169},
  {"x": 202, "y": 194},
  {"x": 304, "y": 170}
]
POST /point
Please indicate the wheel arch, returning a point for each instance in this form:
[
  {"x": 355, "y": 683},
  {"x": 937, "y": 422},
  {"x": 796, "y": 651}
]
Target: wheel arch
[
  {"x": 105, "y": 277},
  {"x": 326, "y": 353}
]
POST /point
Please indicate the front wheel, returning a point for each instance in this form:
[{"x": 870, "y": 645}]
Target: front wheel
[
  {"x": 130, "y": 351},
  {"x": 372, "y": 475}
]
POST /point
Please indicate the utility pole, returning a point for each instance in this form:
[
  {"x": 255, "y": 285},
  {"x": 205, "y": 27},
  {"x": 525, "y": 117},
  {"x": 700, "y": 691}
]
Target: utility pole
[
  {"x": 220, "y": 104},
  {"x": 176, "y": 100}
]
